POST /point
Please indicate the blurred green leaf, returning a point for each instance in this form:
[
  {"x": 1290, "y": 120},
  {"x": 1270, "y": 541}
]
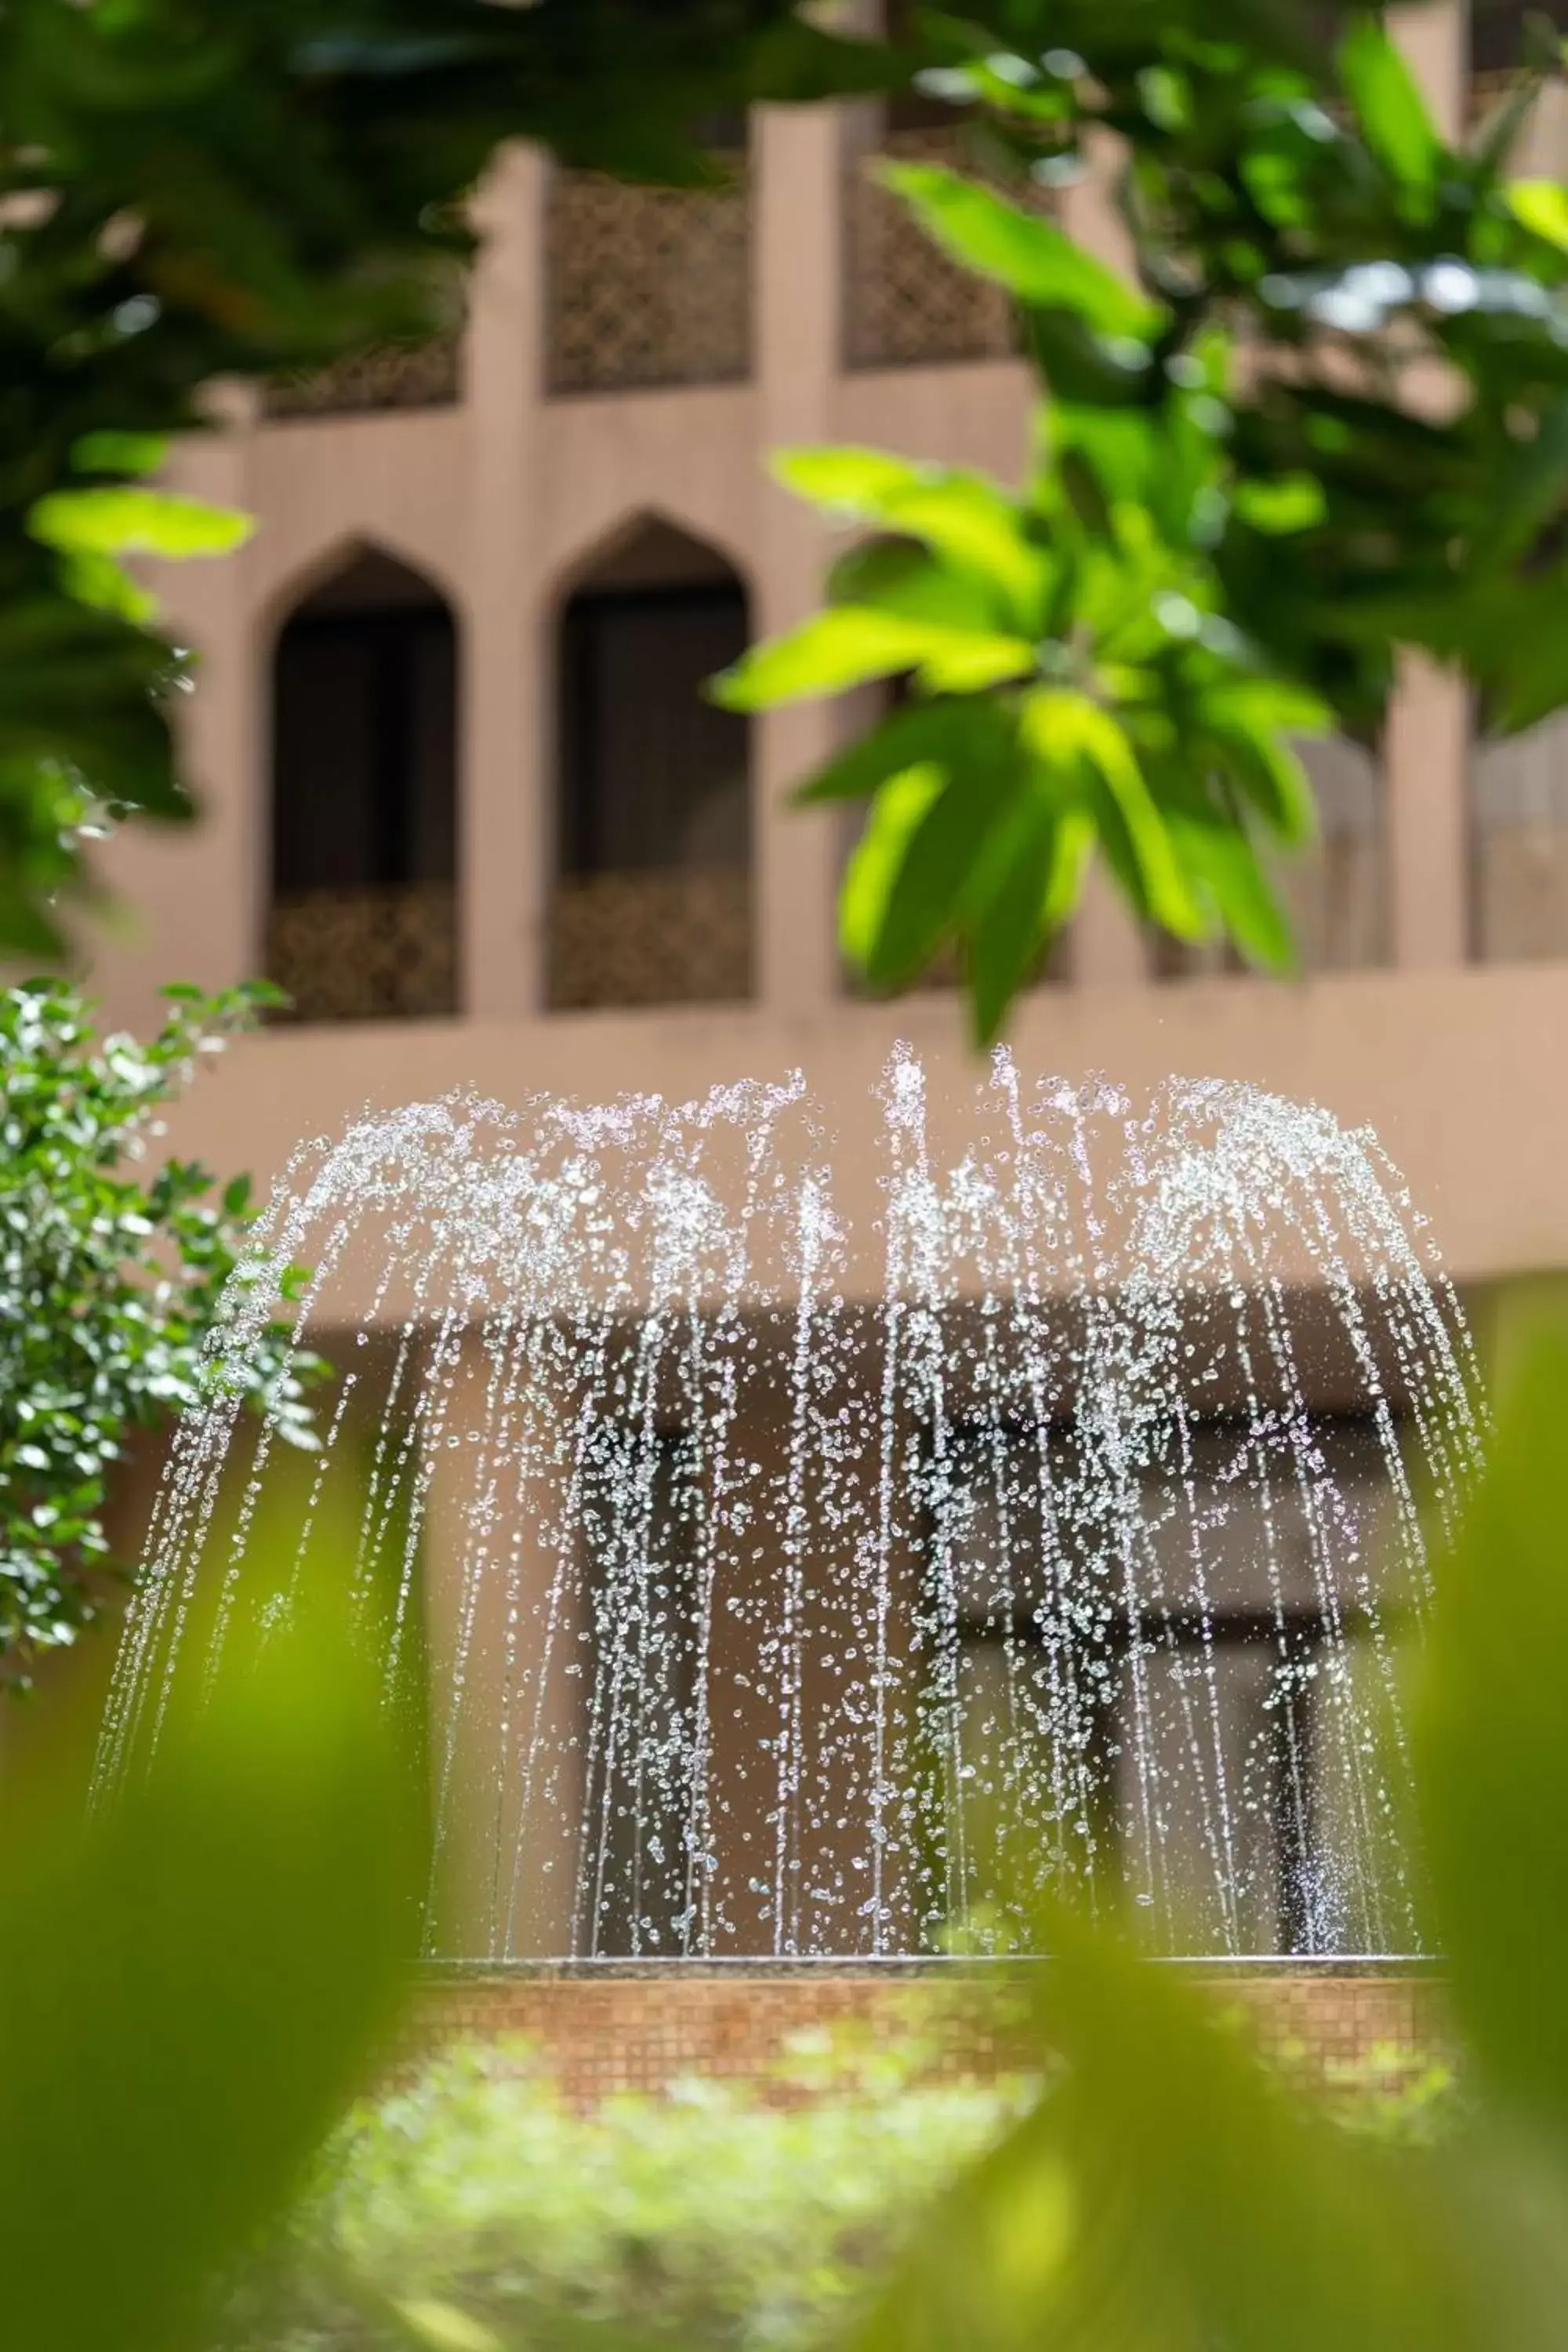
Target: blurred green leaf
[
  {"x": 1491, "y": 1751},
  {"x": 192, "y": 1984},
  {"x": 1389, "y": 107},
  {"x": 1061, "y": 728},
  {"x": 959, "y": 515},
  {"x": 1543, "y": 207},
  {"x": 900, "y": 809},
  {"x": 848, "y": 646},
  {"x": 128, "y": 522},
  {"x": 1035, "y": 259}
]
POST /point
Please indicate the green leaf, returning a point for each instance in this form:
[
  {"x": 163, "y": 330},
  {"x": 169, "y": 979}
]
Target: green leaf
[
  {"x": 131, "y": 521},
  {"x": 1289, "y": 503},
  {"x": 920, "y": 734},
  {"x": 119, "y": 453},
  {"x": 896, "y": 815},
  {"x": 896, "y": 576},
  {"x": 1254, "y": 718},
  {"x": 1029, "y": 256},
  {"x": 1489, "y": 1747},
  {"x": 1541, "y": 206},
  {"x": 190, "y": 1988},
  {"x": 1060, "y": 727},
  {"x": 1390, "y": 108},
  {"x": 961, "y": 515},
  {"x": 1033, "y": 877},
  {"x": 921, "y": 894},
  {"x": 1221, "y": 860},
  {"x": 848, "y": 646}
]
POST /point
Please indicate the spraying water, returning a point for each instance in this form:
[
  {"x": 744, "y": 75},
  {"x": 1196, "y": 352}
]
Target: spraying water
[{"x": 822, "y": 1563}]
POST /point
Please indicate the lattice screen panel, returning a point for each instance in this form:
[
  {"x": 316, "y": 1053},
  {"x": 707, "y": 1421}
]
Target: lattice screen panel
[
  {"x": 648, "y": 286},
  {"x": 905, "y": 303},
  {"x": 401, "y": 375},
  {"x": 650, "y": 939},
  {"x": 388, "y": 954}
]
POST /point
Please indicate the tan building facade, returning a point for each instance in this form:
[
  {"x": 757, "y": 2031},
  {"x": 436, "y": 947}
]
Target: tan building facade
[
  {"x": 460, "y": 795},
  {"x": 598, "y": 431}
]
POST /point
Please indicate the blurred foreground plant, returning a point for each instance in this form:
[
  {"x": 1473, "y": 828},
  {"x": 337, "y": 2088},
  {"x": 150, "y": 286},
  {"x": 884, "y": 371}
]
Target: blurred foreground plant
[
  {"x": 113, "y": 1275},
  {"x": 473, "y": 2205},
  {"x": 194, "y": 1980},
  {"x": 1169, "y": 2194}
]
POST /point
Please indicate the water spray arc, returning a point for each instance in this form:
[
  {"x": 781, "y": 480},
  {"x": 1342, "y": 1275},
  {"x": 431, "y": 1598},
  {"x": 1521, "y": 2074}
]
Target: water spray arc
[{"x": 828, "y": 1543}]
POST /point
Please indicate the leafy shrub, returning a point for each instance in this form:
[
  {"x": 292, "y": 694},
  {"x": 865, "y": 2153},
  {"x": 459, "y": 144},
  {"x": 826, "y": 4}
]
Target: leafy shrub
[
  {"x": 714, "y": 2218},
  {"x": 112, "y": 1277}
]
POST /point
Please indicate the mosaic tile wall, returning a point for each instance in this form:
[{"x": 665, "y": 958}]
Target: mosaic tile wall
[{"x": 641, "y": 2032}]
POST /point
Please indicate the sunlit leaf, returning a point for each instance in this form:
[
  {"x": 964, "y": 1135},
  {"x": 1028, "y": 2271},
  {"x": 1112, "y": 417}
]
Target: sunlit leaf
[
  {"x": 896, "y": 815},
  {"x": 849, "y": 645},
  {"x": 1543, "y": 207},
  {"x": 1295, "y": 502},
  {"x": 1035, "y": 259},
  {"x": 1389, "y": 107},
  {"x": 134, "y": 522},
  {"x": 894, "y": 575},
  {"x": 1061, "y": 726},
  {"x": 961, "y": 515}
]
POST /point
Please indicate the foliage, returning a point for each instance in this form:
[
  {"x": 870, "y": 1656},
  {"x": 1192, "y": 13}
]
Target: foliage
[
  {"x": 194, "y": 1980},
  {"x": 200, "y": 190},
  {"x": 475, "y": 2198},
  {"x": 112, "y": 1277},
  {"x": 1330, "y": 419},
  {"x": 1168, "y": 2194},
  {"x": 470, "y": 2208},
  {"x": 1165, "y": 2191}
]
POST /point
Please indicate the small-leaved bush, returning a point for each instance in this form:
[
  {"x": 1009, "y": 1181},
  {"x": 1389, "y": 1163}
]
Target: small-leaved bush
[
  {"x": 716, "y": 2218},
  {"x": 115, "y": 1270}
]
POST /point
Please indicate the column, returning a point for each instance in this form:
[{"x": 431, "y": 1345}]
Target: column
[
  {"x": 1426, "y": 747},
  {"x": 503, "y": 831},
  {"x": 797, "y": 319},
  {"x": 1427, "y": 780}
]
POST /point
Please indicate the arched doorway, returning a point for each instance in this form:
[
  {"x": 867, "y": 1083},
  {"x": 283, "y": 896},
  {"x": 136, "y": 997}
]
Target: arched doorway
[{"x": 363, "y": 914}]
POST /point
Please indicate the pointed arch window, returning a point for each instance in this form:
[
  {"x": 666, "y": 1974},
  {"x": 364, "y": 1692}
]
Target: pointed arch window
[
  {"x": 362, "y": 922},
  {"x": 653, "y": 897}
]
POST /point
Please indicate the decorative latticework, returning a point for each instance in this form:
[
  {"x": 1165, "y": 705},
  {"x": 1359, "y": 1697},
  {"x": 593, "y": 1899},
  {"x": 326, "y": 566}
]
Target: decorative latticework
[
  {"x": 648, "y": 286},
  {"x": 906, "y": 304},
  {"x": 651, "y": 939},
  {"x": 398, "y": 375},
  {"x": 1519, "y": 846},
  {"x": 383, "y": 954}
]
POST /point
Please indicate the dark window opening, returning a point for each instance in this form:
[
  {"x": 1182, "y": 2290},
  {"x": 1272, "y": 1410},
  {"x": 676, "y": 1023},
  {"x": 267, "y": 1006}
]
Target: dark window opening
[
  {"x": 1497, "y": 32},
  {"x": 655, "y": 776},
  {"x": 364, "y": 771},
  {"x": 1171, "y": 1649},
  {"x": 654, "y": 811}
]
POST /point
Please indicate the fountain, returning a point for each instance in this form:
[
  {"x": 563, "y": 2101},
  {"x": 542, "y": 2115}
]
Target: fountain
[{"x": 827, "y": 1544}]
